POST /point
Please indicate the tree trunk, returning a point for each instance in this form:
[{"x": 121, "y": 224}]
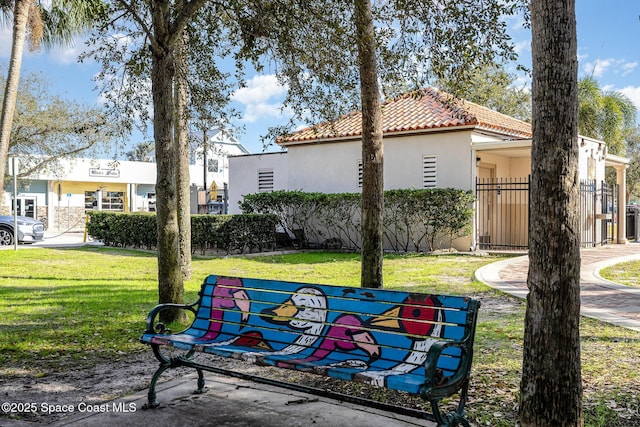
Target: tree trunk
[
  {"x": 372, "y": 155},
  {"x": 20, "y": 19},
  {"x": 551, "y": 387},
  {"x": 181, "y": 136},
  {"x": 170, "y": 285}
]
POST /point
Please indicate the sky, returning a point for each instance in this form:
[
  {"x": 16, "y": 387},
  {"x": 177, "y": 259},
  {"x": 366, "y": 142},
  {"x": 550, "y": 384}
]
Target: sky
[{"x": 607, "y": 34}]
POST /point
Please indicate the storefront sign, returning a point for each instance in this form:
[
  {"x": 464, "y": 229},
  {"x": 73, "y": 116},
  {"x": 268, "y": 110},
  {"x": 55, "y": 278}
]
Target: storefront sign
[{"x": 105, "y": 173}]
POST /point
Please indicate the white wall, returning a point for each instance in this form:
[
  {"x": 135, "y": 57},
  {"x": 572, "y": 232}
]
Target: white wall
[
  {"x": 243, "y": 175},
  {"x": 89, "y": 170},
  {"x": 326, "y": 168},
  {"x": 333, "y": 167},
  {"x": 220, "y": 152},
  {"x": 403, "y": 160}
]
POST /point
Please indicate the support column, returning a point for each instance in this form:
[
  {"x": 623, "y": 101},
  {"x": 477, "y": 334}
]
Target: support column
[{"x": 621, "y": 176}]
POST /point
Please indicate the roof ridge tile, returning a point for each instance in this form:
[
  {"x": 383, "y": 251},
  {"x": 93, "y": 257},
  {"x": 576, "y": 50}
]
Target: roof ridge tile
[{"x": 421, "y": 109}]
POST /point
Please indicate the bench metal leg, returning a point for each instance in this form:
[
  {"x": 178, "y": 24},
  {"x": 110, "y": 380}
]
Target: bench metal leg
[
  {"x": 454, "y": 418},
  {"x": 201, "y": 387},
  {"x": 152, "y": 402}
]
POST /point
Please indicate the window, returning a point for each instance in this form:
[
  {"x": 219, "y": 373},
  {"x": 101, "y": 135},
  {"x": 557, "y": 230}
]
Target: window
[
  {"x": 429, "y": 172},
  {"x": 110, "y": 200},
  {"x": 359, "y": 173},
  {"x": 212, "y": 165},
  {"x": 113, "y": 201},
  {"x": 265, "y": 180}
]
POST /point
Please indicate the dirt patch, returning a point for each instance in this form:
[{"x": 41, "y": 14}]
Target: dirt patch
[{"x": 101, "y": 383}]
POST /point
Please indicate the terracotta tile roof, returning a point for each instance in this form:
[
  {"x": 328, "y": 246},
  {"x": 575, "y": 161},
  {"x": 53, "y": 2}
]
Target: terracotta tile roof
[{"x": 421, "y": 110}]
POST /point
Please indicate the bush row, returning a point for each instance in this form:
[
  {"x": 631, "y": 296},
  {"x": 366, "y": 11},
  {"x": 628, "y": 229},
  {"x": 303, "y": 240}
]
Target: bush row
[
  {"x": 229, "y": 233},
  {"x": 414, "y": 220}
]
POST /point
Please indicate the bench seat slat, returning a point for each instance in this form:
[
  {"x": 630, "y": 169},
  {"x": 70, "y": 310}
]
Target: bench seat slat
[
  {"x": 276, "y": 336},
  {"x": 389, "y": 355}
]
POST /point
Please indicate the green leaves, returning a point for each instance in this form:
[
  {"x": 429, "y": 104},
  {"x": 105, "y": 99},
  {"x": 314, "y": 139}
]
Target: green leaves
[
  {"x": 606, "y": 115},
  {"x": 229, "y": 233},
  {"x": 415, "y": 220}
]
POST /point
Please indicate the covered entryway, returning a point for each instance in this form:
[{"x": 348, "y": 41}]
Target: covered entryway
[{"x": 501, "y": 182}]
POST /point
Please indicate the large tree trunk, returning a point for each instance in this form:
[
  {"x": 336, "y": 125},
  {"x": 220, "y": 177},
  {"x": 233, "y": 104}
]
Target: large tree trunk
[
  {"x": 170, "y": 284},
  {"x": 551, "y": 388},
  {"x": 182, "y": 148},
  {"x": 372, "y": 156},
  {"x": 20, "y": 19}
]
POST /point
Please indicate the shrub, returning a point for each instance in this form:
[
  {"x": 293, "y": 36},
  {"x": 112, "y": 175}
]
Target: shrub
[
  {"x": 414, "y": 220},
  {"x": 230, "y": 233}
]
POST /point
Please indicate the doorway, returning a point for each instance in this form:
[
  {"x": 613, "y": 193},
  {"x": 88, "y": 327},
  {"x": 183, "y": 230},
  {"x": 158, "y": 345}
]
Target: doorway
[{"x": 26, "y": 206}]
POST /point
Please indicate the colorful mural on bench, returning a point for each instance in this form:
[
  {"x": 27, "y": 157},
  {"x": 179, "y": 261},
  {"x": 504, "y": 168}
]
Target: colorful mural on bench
[
  {"x": 375, "y": 336},
  {"x": 417, "y": 343}
]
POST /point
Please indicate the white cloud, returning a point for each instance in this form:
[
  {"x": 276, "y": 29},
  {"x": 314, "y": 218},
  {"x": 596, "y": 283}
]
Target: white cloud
[
  {"x": 255, "y": 112},
  {"x": 601, "y": 66},
  {"x": 516, "y": 22},
  {"x": 582, "y": 57},
  {"x": 261, "y": 98},
  {"x": 59, "y": 54},
  {"x": 65, "y": 55},
  {"x": 629, "y": 67},
  {"x": 598, "y": 68},
  {"x": 633, "y": 92},
  {"x": 259, "y": 89},
  {"x": 522, "y": 46}
]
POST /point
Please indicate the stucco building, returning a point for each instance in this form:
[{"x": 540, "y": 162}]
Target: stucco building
[{"x": 432, "y": 140}]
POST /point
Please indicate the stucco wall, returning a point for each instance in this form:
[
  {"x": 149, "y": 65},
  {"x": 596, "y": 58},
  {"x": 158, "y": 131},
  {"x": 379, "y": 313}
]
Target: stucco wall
[
  {"x": 243, "y": 175},
  {"x": 404, "y": 160},
  {"x": 333, "y": 167}
]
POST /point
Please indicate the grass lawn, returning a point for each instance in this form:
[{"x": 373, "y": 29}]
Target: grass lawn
[
  {"x": 626, "y": 273},
  {"x": 71, "y": 308}
]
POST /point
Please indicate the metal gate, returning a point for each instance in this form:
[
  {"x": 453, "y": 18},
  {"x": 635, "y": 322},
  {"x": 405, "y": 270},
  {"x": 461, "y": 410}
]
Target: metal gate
[
  {"x": 502, "y": 213},
  {"x": 597, "y": 213}
]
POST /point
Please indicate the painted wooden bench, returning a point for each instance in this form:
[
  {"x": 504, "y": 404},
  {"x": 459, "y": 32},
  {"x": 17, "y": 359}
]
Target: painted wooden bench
[{"x": 417, "y": 343}]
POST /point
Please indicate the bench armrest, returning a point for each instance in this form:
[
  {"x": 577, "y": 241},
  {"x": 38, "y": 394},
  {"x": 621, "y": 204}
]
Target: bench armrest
[
  {"x": 432, "y": 388},
  {"x": 159, "y": 327}
]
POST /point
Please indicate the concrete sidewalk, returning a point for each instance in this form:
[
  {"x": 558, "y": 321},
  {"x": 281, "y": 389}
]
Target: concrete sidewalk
[
  {"x": 600, "y": 298},
  {"x": 232, "y": 402}
]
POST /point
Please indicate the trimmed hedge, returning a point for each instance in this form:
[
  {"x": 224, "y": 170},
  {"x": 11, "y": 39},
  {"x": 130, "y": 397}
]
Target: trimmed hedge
[
  {"x": 414, "y": 220},
  {"x": 229, "y": 233}
]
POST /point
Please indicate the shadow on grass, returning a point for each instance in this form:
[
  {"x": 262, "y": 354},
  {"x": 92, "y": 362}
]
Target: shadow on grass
[
  {"x": 608, "y": 339},
  {"x": 133, "y": 252},
  {"x": 304, "y": 257}
]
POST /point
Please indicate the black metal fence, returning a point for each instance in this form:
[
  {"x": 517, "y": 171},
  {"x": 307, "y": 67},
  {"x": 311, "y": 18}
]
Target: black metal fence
[
  {"x": 633, "y": 222},
  {"x": 502, "y": 213},
  {"x": 597, "y": 213}
]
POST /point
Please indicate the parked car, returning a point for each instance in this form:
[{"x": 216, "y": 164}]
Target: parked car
[{"x": 29, "y": 230}]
